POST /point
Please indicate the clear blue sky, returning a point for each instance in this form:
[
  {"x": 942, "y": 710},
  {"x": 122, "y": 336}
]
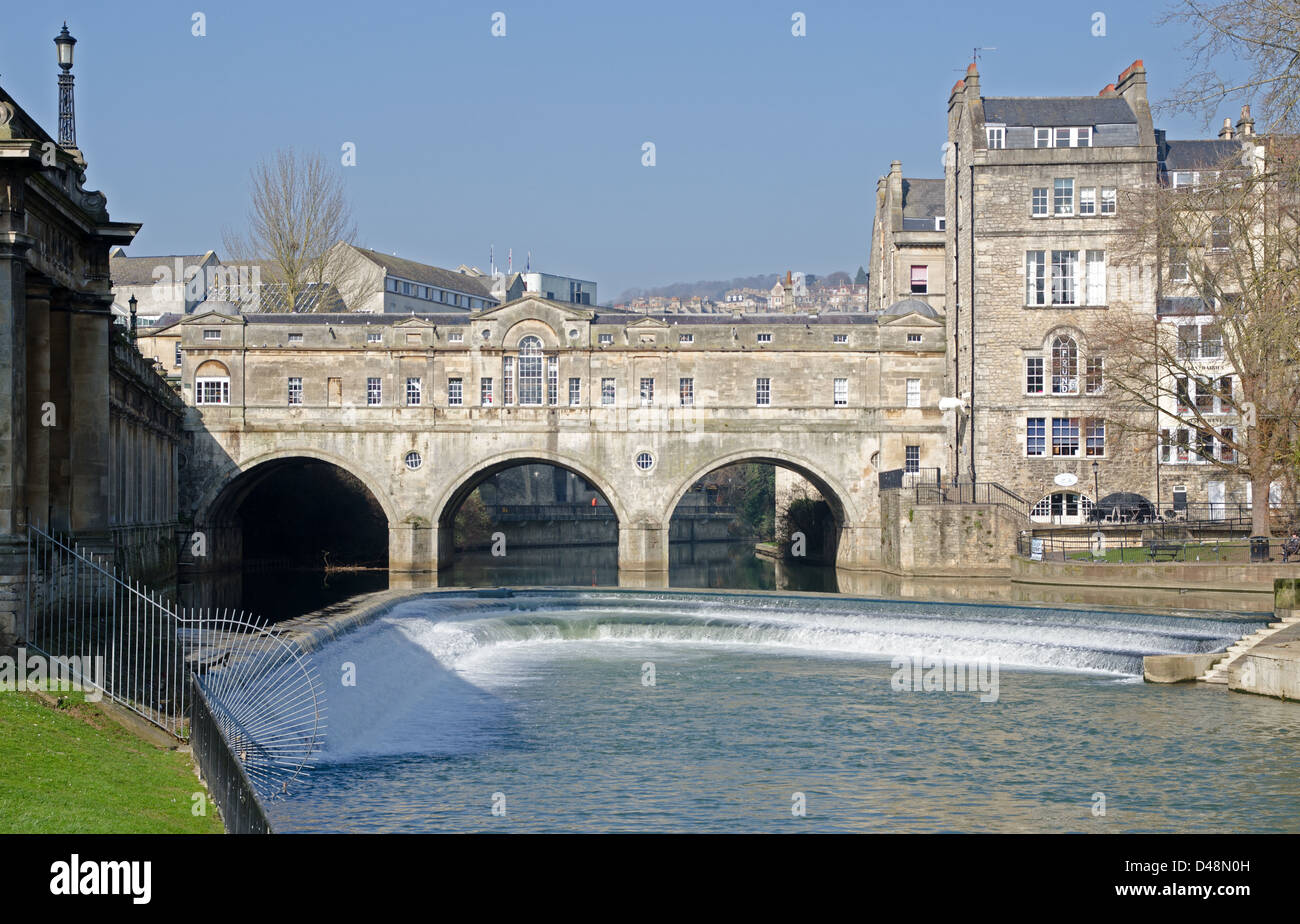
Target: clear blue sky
[{"x": 768, "y": 145}]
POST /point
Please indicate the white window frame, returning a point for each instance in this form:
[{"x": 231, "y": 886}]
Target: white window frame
[
  {"x": 295, "y": 338},
  {"x": 1040, "y": 202},
  {"x": 913, "y": 392},
  {"x": 840, "y": 338},
  {"x": 685, "y": 338},
  {"x": 647, "y": 391},
  {"x": 456, "y": 336},
  {"x": 204, "y": 385},
  {"x": 686, "y": 391},
  {"x": 414, "y": 390},
  {"x": 374, "y": 336},
  {"x": 841, "y": 392},
  {"x": 455, "y": 392},
  {"x": 485, "y": 392},
  {"x": 995, "y": 136},
  {"x": 1063, "y": 205},
  {"x": 764, "y": 337},
  {"x": 1036, "y": 429},
  {"x": 575, "y": 391},
  {"x": 212, "y": 333},
  {"x": 1109, "y": 200},
  {"x": 608, "y": 392},
  {"x": 763, "y": 391},
  {"x": 295, "y": 391},
  {"x": 374, "y": 391},
  {"x": 1088, "y": 200}
]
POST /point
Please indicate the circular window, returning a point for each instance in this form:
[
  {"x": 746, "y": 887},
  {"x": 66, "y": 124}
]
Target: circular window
[
  {"x": 645, "y": 461},
  {"x": 573, "y": 334},
  {"x": 414, "y": 460},
  {"x": 486, "y": 333}
]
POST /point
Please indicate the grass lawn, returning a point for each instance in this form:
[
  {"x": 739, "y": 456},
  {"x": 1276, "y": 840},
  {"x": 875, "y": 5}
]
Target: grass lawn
[
  {"x": 1236, "y": 551},
  {"x": 74, "y": 770}
]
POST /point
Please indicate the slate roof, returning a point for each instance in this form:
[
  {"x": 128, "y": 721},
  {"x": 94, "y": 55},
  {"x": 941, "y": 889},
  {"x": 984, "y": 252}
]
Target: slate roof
[
  {"x": 922, "y": 198},
  {"x": 1058, "y": 110},
  {"x": 1197, "y": 155},
  {"x": 138, "y": 271},
  {"x": 477, "y": 286},
  {"x": 602, "y": 316}
]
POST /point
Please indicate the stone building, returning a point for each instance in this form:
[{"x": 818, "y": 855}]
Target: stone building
[
  {"x": 907, "y": 241},
  {"x": 74, "y": 405},
  {"x": 1034, "y": 221}
]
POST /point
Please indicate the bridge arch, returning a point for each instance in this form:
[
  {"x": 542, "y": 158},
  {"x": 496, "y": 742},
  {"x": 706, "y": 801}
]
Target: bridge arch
[
  {"x": 837, "y": 496},
  {"x": 465, "y": 481}
]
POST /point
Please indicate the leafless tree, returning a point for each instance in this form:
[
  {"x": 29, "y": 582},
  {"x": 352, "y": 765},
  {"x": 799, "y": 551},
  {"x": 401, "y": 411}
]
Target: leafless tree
[
  {"x": 1229, "y": 246},
  {"x": 1240, "y": 51},
  {"x": 298, "y": 211}
]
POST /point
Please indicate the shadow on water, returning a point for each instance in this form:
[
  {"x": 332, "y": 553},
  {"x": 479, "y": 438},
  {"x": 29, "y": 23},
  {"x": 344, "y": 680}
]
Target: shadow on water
[{"x": 276, "y": 595}]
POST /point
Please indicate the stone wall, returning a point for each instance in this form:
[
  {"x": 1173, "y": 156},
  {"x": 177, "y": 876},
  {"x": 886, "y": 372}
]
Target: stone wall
[{"x": 943, "y": 539}]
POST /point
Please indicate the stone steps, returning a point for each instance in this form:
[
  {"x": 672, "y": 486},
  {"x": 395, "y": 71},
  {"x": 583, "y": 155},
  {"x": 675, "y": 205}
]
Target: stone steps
[{"x": 1218, "y": 672}]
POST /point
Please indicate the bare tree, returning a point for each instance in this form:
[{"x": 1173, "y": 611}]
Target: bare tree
[
  {"x": 1263, "y": 36},
  {"x": 298, "y": 211},
  {"x": 1226, "y": 250}
]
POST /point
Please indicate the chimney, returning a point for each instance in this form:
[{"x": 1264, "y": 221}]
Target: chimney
[
  {"x": 1108, "y": 90},
  {"x": 972, "y": 80},
  {"x": 788, "y": 306},
  {"x": 1245, "y": 125},
  {"x": 895, "y": 181},
  {"x": 1226, "y": 132},
  {"x": 1132, "y": 88}
]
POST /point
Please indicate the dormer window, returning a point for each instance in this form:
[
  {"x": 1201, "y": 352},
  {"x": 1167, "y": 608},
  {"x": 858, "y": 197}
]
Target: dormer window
[
  {"x": 1071, "y": 137},
  {"x": 997, "y": 136}
]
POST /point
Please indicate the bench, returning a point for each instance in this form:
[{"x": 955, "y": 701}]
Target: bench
[{"x": 1155, "y": 549}]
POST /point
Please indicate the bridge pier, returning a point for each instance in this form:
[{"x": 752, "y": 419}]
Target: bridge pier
[
  {"x": 416, "y": 545},
  {"x": 858, "y": 548},
  {"x": 643, "y": 547}
]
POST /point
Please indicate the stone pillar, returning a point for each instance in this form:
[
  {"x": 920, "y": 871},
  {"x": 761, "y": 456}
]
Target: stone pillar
[
  {"x": 60, "y": 470},
  {"x": 88, "y": 364},
  {"x": 38, "y": 404},
  {"x": 642, "y": 547},
  {"x": 858, "y": 548},
  {"x": 13, "y": 380},
  {"x": 414, "y": 545}
]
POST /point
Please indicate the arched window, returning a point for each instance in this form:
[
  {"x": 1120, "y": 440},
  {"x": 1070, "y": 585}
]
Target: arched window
[
  {"x": 530, "y": 371},
  {"x": 1063, "y": 507},
  {"x": 212, "y": 383},
  {"x": 1065, "y": 366}
]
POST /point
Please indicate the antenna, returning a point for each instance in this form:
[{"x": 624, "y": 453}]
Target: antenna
[{"x": 975, "y": 53}]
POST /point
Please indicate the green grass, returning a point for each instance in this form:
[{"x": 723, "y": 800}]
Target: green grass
[
  {"x": 73, "y": 770},
  {"x": 1134, "y": 554}
]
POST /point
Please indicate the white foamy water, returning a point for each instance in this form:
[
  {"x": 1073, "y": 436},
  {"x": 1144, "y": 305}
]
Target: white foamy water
[{"x": 430, "y": 674}]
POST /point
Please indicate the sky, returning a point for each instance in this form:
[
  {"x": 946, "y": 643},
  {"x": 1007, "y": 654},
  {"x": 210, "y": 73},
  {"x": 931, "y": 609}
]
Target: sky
[{"x": 767, "y": 145}]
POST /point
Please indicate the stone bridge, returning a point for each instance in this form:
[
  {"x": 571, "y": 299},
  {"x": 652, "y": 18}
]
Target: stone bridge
[{"x": 421, "y": 409}]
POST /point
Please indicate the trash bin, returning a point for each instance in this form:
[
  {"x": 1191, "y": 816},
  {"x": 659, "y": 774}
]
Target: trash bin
[{"x": 1259, "y": 548}]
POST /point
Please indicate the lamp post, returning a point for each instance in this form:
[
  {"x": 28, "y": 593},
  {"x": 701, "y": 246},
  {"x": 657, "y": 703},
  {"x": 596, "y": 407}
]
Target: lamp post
[
  {"x": 63, "y": 42},
  {"x": 1096, "y": 492},
  {"x": 132, "y": 302}
]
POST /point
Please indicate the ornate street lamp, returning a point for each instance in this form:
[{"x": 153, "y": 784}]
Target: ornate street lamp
[
  {"x": 131, "y": 301},
  {"x": 67, "y": 116}
]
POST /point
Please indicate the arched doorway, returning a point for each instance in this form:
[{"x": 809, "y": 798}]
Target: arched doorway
[
  {"x": 531, "y": 521},
  {"x": 1062, "y": 508}
]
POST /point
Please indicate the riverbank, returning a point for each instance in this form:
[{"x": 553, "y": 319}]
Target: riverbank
[{"x": 74, "y": 769}]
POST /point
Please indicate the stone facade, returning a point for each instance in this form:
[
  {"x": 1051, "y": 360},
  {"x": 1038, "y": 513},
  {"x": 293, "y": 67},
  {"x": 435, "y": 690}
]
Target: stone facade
[{"x": 839, "y": 447}]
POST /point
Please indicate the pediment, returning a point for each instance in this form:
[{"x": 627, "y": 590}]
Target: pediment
[
  {"x": 531, "y": 304},
  {"x": 648, "y": 322},
  {"x": 213, "y": 316}
]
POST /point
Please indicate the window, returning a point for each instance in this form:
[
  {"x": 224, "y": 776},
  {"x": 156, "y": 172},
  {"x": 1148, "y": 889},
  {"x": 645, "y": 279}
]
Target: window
[
  {"x": 1036, "y": 436},
  {"x": 212, "y": 334},
  {"x": 295, "y": 338},
  {"x": 606, "y": 339},
  {"x": 413, "y": 391},
  {"x": 1199, "y": 341},
  {"x": 1226, "y": 451},
  {"x": 997, "y": 136},
  {"x": 913, "y": 338},
  {"x": 1038, "y": 207},
  {"x": 1225, "y": 403},
  {"x": 686, "y": 338},
  {"x": 374, "y": 391},
  {"x": 508, "y": 380},
  {"x": 212, "y": 390},
  {"x": 178, "y": 354},
  {"x": 647, "y": 392},
  {"x": 1219, "y": 230},
  {"x": 485, "y": 391},
  {"x": 762, "y": 392},
  {"x": 374, "y": 336},
  {"x": 1072, "y": 137},
  {"x": 1182, "y": 397},
  {"x": 1065, "y": 366},
  {"x": 920, "y": 280},
  {"x": 456, "y": 336},
  {"x": 1088, "y": 201},
  {"x": 1164, "y": 445},
  {"x": 1063, "y": 197},
  {"x": 645, "y": 461},
  {"x": 1042, "y": 137},
  {"x": 1108, "y": 201},
  {"x": 1095, "y": 437},
  {"x": 552, "y": 380},
  {"x": 1065, "y": 269},
  {"x": 913, "y": 392},
  {"x": 911, "y": 458},
  {"x": 841, "y": 392},
  {"x": 530, "y": 371},
  {"x": 295, "y": 390},
  {"x": 406, "y": 288},
  {"x": 686, "y": 391},
  {"x": 764, "y": 338},
  {"x": 1092, "y": 376},
  {"x": 607, "y": 392},
  {"x": 1178, "y": 266},
  {"x": 837, "y": 338},
  {"x": 1065, "y": 436},
  {"x": 455, "y": 392},
  {"x": 390, "y": 284},
  {"x": 1096, "y": 276},
  {"x": 1034, "y": 375},
  {"x": 1036, "y": 277},
  {"x": 1204, "y": 447},
  {"x": 413, "y": 460},
  {"x": 575, "y": 392}
]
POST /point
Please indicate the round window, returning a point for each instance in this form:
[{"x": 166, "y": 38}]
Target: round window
[
  {"x": 573, "y": 334},
  {"x": 414, "y": 460},
  {"x": 645, "y": 461}
]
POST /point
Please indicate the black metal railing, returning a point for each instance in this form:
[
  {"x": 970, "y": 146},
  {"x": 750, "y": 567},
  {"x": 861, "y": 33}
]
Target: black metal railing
[
  {"x": 988, "y": 493},
  {"x": 1156, "y": 543},
  {"x": 241, "y": 810}
]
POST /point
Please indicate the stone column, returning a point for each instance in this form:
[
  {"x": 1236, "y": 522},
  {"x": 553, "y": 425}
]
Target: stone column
[
  {"x": 60, "y": 485},
  {"x": 88, "y": 362},
  {"x": 13, "y": 379},
  {"x": 414, "y": 545},
  {"x": 41, "y": 414},
  {"x": 642, "y": 547}
]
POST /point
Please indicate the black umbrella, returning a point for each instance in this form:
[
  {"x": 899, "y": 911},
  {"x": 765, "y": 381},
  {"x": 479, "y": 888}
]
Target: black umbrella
[{"x": 1130, "y": 507}]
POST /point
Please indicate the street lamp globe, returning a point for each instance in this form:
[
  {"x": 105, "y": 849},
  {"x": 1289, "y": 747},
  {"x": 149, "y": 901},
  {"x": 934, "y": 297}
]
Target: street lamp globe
[{"x": 64, "y": 42}]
